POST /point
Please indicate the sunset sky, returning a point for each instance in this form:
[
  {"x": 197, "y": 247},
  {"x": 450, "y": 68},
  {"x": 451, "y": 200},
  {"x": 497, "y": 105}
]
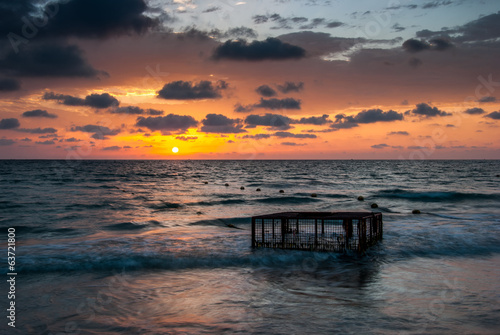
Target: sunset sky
[{"x": 283, "y": 79}]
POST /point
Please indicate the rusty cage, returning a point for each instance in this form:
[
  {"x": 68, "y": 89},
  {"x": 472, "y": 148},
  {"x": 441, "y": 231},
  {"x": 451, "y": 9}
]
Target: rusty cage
[{"x": 319, "y": 231}]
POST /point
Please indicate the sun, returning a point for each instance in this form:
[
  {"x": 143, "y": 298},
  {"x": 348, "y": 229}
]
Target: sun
[{"x": 175, "y": 150}]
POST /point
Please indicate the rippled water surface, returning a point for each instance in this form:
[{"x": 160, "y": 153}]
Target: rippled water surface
[{"x": 163, "y": 247}]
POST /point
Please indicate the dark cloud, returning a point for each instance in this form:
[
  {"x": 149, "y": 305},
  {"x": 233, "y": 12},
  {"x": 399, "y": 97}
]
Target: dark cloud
[
  {"x": 239, "y": 108},
  {"x": 404, "y": 133},
  {"x": 482, "y": 29},
  {"x": 320, "y": 44},
  {"x": 313, "y": 24},
  {"x": 440, "y": 44},
  {"x": 9, "y": 84},
  {"x": 186, "y": 90},
  {"x": 47, "y": 142},
  {"x": 99, "y": 132},
  {"x": 367, "y": 116},
  {"x": 474, "y": 111},
  {"x": 5, "y": 142},
  {"x": 266, "y": 91},
  {"x": 218, "y": 123},
  {"x": 289, "y": 86},
  {"x": 9, "y": 123},
  {"x": 39, "y": 113},
  {"x": 487, "y": 99},
  {"x": 425, "y": 110},
  {"x": 134, "y": 110},
  {"x": 37, "y": 130},
  {"x": 168, "y": 123},
  {"x": 397, "y": 27},
  {"x": 48, "y": 60},
  {"x": 269, "y": 49},
  {"x": 275, "y": 121},
  {"x": 186, "y": 138},
  {"x": 413, "y": 45},
  {"x": 257, "y": 136},
  {"x": 315, "y": 120},
  {"x": 72, "y": 139},
  {"x": 94, "y": 100},
  {"x": 380, "y": 146},
  {"x": 293, "y": 144},
  {"x": 274, "y": 104},
  {"x": 112, "y": 148},
  {"x": 286, "y": 134},
  {"x": 100, "y": 19},
  {"x": 258, "y": 19},
  {"x": 435, "y": 4},
  {"x": 334, "y": 24},
  {"x": 493, "y": 115},
  {"x": 211, "y": 9}
]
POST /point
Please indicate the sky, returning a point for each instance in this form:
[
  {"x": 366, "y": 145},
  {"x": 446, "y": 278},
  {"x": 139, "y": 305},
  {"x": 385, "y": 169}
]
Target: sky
[{"x": 224, "y": 79}]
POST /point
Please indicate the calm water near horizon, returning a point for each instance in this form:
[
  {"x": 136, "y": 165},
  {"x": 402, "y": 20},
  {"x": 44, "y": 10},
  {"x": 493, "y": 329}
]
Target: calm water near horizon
[{"x": 163, "y": 247}]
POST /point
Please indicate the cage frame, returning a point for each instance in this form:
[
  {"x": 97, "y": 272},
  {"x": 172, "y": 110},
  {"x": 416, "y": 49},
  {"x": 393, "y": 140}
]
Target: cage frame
[{"x": 317, "y": 231}]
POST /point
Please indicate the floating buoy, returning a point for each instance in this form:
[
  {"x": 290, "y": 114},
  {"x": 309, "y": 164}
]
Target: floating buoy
[
  {"x": 199, "y": 213},
  {"x": 226, "y": 184},
  {"x": 361, "y": 198},
  {"x": 206, "y": 182},
  {"x": 415, "y": 211},
  {"x": 281, "y": 191},
  {"x": 230, "y": 225},
  {"x": 498, "y": 175},
  {"x": 314, "y": 195},
  {"x": 258, "y": 190},
  {"x": 374, "y": 205},
  {"x": 242, "y": 188}
]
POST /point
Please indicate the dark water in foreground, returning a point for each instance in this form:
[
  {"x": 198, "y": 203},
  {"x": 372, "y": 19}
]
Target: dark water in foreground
[{"x": 146, "y": 247}]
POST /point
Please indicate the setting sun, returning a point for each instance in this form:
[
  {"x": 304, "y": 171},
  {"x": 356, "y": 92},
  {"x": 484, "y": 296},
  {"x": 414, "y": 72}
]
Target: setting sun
[{"x": 175, "y": 150}]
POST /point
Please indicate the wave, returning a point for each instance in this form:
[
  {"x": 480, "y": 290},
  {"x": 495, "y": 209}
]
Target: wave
[
  {"x": 164, "y": 205},
  {"x": 230, "y": 222},
  {"x": 435, "y": 196},
  {"x": 217, "y": 202},
  {"x": 133, "y": 225},
  {"x": 287, "y": 200}
]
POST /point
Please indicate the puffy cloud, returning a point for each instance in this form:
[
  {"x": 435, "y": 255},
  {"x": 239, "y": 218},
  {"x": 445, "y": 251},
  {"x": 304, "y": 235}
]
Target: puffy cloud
[
  {"x": 112, "y": 148},
  {"x": 99, "y": 132},
  {"x": 218, "y": 123},
  {"x": 413, "y": 45},
  {"x": 266, "y": 91},
  {"x": 367, "y": 116},
  {"x": 425, "y": 110},
  {"x": 293, "y": 144},
  {"x": 37, "y": 130},
  {"x": 493, "y": 115},
  {"x": 286, "y": 134},
  {"x": 474, "y": 111},
  {"x": 487, "y": 99},
  {"x": 273, "y": 103},
  {"x": 404, "y": 133},
  {"x": 168, "y": 123},
  {"x": 6, "y": 142},
  {"x": 47, "y": 142},
  {"x": 48, "y": 60},
  {"x": 185, "y": 90},
  {"x": 134, "y": 110},
  {"x": 291, "y": 87},
  {"x": 94, "y": 100},
  {"x": 100, "y": 19},
  {"x": 275, "y": 121},
  {"x": 9, "y": 123},
  {"x": 380, "y": 146},
  {"x": 435, "y": 4},
  {"x": 9, "y": 84},
  {"x": 39, "y": 113},
  {"x": 269, "y": 49},
  {"x": 315, "y": 120},
  {"x": 334, "y": 24},
  {"x": 257, "y": 136}
]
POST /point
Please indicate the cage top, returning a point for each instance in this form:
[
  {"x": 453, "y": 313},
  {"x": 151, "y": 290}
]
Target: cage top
[{"x": 318, "y": 215}]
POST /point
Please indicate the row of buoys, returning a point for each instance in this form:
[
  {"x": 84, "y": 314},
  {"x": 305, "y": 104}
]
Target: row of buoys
[{"x": 375, "y": 205}]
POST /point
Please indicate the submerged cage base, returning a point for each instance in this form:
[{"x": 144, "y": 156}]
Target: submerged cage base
[{"x": 318, "y": 231}]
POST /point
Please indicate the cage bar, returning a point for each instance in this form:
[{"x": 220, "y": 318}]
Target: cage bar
[{"x": 318, "y": 231}]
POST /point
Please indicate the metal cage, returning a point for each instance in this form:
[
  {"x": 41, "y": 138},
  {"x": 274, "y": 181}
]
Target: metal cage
[{"x": 319, "y": 231}]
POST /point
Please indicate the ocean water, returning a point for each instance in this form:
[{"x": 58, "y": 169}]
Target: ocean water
[{"x": 163, "y": 247}]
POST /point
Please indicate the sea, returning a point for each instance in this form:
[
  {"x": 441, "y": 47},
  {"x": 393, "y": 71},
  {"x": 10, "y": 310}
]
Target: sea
[{"x": 164, "y": 247}]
